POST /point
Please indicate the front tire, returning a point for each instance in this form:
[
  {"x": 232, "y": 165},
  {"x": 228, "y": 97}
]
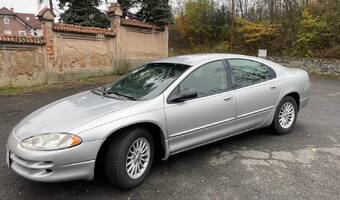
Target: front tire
[
  {"x": 285, "y": 116},
  {"x": 129, "y": 158}
]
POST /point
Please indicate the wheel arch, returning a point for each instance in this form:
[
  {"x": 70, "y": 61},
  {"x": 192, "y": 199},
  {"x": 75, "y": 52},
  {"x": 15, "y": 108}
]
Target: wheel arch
[
  {"x": 160, "y": 142},
  {"x": 295, "y": 96}
]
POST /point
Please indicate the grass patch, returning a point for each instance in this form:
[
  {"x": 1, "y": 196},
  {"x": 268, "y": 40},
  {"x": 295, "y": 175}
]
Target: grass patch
[{"x": 24, "y": 89}]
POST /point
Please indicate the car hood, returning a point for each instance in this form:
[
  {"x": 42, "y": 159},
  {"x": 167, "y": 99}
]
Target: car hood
[{"x": 68, "y": 113}]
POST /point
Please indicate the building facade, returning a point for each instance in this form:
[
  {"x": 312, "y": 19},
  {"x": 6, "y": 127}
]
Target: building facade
[{"x": 19, "y": 24}]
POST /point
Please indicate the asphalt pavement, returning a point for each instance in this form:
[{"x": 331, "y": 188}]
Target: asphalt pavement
[{"x": 256, "y": 165}]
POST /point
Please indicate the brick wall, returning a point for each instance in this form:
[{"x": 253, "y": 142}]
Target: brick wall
[{"x": 68, "y": 52}]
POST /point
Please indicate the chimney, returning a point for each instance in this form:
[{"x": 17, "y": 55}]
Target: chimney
[{"x": 12, "y": 9}]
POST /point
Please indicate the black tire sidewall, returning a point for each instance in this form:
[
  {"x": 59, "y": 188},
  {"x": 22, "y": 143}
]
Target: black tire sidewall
[
  {"x": 115, "y": 159},
  {"x": 276, "y": 123}
]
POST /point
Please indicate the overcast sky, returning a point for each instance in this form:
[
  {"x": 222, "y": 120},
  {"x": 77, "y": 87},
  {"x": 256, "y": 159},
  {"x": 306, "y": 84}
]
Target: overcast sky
[{"x": 29, "y": 6}]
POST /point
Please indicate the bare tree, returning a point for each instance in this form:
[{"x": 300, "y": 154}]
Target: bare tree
[{"x": 178, "y": 6}]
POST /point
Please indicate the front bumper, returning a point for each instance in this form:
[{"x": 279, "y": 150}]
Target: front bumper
[{"x": 75, "y": 163}]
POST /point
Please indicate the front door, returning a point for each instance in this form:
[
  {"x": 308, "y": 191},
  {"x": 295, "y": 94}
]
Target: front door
[{"x": 208, "y": 117}]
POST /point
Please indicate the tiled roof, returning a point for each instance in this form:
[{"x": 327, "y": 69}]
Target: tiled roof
[
  {"x": 139, "y": 24},
  {"x": 33, "y": 21},
  {"x": 82, "y": 29},
  {"x": 21, "y": 39},
  {"x": 5, "y": 11}
]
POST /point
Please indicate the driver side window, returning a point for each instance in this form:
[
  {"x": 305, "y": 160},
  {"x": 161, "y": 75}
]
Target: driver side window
[{"x": 207, "y": 80}]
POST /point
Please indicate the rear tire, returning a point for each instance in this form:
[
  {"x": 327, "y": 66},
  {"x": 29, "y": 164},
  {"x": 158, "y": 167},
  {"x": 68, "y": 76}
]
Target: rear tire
[
  {"x": 285, "y": 116},
  {"x": 129, "y": 158}
]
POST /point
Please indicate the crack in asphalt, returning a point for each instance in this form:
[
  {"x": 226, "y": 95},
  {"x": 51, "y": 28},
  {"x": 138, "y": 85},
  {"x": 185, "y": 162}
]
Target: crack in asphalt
[{"x": 256, "y": 157}]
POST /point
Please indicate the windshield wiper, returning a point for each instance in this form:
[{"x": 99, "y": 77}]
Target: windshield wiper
[
  {"x": 101, "y": 91},
  {"x": 107, "y": 93},
  {"x": 97, "y": 91},
  {"x": 121, "y": 95}
]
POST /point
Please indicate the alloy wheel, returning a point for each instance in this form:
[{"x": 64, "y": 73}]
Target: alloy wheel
[
  {"x": 287, "y": 115},
  {"x": 138, "y": 158}
]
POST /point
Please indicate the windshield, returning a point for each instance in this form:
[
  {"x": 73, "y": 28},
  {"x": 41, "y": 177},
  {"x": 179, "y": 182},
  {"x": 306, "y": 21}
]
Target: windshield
[{"x": 148, "y": 81}]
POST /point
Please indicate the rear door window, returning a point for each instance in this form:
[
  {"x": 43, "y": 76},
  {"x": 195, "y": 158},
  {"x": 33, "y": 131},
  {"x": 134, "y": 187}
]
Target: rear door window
[{"x": 247, "y": 72}]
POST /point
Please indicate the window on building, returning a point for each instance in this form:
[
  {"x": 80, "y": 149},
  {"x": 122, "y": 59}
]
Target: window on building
[
  {"x": 22, "y": 33},
  {"x": 6, "y": 20},
  {"x": 7, "y": 32}
]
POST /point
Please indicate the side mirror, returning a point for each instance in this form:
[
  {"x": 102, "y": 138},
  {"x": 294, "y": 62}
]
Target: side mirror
[{"x": 185, "y": 95}]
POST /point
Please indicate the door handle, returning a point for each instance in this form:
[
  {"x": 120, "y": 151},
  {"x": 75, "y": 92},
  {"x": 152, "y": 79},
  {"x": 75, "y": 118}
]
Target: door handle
[
  {"x": 228, "y": 99},
  {"x": 273, "y": 87}
]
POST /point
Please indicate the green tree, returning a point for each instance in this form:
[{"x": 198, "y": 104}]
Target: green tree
[
  {"x": 155, "y": 11},
  {"x": 84, "y": 13},
  {"x": 255, "y": 35},
  {"x": 328, "y": 11},
  {"x": 203, "y": 25},
  {"x": 162, "y": 13},
  {"x": 313, "y": 35}
]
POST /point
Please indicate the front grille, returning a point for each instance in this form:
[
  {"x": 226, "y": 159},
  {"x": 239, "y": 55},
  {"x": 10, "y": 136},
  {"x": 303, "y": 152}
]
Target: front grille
[{"x": 39, "y": 168}]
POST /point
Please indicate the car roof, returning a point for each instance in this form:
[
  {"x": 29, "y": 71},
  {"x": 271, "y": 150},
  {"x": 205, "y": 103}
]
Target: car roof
[{"x": 196, "y": 59}]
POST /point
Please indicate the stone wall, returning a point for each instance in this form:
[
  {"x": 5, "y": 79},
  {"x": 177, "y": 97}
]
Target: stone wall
[
  {"x": 21, "y": 65},
  {"x": 79, "y": 56},
  {"x": 68, "y": 52},
  {"x": 328, "y": 67},
  {"x": 134, "y": 48}
]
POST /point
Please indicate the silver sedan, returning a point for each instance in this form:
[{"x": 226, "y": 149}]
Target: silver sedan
[{"x": 158, "y": 110}]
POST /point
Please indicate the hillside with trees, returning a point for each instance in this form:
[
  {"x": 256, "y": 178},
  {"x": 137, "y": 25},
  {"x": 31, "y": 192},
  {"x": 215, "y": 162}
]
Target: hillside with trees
[{"x": 295, "y": 28}]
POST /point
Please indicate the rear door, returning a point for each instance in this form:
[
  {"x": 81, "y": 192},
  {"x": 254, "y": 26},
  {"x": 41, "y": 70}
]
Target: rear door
[
  {"x": 206, "y": 118},
  {"x": 256, "y": 92}
]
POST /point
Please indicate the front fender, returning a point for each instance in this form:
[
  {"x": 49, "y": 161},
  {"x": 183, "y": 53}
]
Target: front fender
[
  {"x": 103, "y": 131},
  {"x": 155, "y": 117}
]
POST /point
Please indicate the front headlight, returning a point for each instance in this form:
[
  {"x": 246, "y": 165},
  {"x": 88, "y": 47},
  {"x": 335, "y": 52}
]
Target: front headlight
[{"x": 51, "y": 141}]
